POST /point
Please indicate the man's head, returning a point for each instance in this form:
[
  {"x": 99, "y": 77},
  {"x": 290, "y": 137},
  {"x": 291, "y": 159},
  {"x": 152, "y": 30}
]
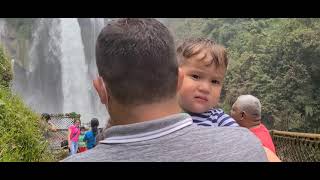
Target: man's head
[
  {"x": 137, "y": 61},
  {"x": 247, "y": 111},
  {"x": 204, "y": 64},
  {"x": 45, "y": 116}
]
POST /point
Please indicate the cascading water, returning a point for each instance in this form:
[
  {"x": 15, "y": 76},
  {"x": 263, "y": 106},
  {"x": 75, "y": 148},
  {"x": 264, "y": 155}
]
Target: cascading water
[
  {"x": 2, "y": 25},
  {"x": 90, "y": 29},
  {"x": 99, "y": 109},
  {"x": 75, "y": 83},
  {"x": 57, "y": 75},
  {"x": 38, "y": 78}
]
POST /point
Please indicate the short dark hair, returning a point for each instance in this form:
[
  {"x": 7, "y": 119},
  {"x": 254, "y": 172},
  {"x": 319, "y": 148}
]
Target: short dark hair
[
  {"x": 137, "y": 59},
  {"x": 193, "y": 46},
  {"x": 94, "y": 122},
  {"x": 94, "y": 125},
  {"x": 46, "y": 116},
  {"x": 75, "y": 120}
]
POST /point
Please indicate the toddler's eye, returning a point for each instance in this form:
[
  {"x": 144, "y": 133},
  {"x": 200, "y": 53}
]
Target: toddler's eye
[
  {"x": 215, "y": 82},
  {"x": 195, "y": 76}
]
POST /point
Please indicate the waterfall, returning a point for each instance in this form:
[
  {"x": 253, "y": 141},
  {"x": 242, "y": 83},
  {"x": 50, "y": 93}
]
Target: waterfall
[
  {"x": 38, "y": 81},
  {"x": 2, "y": 25},
  {"x": 57, "y": 75},
  {"x": 57, "y": 72},
  {"x": 100, "y": 110},
  {"x": 90, "y": 29},
  {"x": 75, "y": 84},
  {"x": 97, "y": 25}
]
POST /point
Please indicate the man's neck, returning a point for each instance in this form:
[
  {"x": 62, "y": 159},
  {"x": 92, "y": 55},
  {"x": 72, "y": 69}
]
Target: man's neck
[
  {"x": 147, "y": 112},
  {"x": 253, "y": 124}
]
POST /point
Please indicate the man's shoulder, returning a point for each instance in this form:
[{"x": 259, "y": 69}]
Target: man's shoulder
[
  {"x": 227, "y": 135},
  {"x": 88, "y": 155},
  {"x": 236, "y": 143},
  {"x": 220, "y": 130},
  {"x": 216, "y": 144}
]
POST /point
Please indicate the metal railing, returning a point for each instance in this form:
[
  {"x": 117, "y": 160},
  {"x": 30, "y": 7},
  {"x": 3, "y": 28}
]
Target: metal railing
[
  {"x": 296, "y": 147},
  {"x": 61, "y": 123}
]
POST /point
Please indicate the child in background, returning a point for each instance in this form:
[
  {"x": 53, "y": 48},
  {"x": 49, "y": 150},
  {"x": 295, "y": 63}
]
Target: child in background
[
  {"x": 90, "y": 136},
  {"x": 82, "y": 143}
]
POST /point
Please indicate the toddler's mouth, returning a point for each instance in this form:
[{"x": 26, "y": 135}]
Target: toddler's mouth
[{"x": 201, "y": 98}]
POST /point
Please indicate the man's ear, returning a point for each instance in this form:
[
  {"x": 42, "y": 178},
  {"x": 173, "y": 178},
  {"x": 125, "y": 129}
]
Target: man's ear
[
  {"x": 100, "y": 87},
  {"x": 180, "y": 78},
  {"x": 243, "y": 115}
]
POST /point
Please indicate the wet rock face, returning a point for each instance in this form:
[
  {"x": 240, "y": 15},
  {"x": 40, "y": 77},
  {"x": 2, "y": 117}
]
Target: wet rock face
[
  {"x": 16, "y": 43},
  {"x": 8, "y": 39}
]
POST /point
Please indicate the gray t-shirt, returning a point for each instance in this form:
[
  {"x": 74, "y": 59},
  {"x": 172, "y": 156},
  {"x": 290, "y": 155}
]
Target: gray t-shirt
[{"x": 175, "y": 138}]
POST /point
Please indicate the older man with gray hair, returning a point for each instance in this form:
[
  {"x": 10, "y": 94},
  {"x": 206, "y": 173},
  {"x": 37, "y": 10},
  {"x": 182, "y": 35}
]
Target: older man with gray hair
[{"x": 247, "y": 112}]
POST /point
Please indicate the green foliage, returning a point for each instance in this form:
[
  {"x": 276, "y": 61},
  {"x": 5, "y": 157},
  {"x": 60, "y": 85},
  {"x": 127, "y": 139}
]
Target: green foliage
[
  {"x": 276, "y": 60},
  {"x": 20, "y": 136},
  {"x": 5, "y": 69}
]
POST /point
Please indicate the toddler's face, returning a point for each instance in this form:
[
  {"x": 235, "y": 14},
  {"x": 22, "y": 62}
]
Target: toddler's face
[{"x": 201, "y": 86}]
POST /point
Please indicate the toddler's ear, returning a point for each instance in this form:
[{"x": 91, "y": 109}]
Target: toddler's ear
[
  {"x": 180, "y": 79},
  {"x": 100, "y": 87}
]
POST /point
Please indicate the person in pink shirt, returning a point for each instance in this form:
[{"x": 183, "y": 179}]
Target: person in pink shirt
[
  {"x": 73, "y": 136},
  {"x": 247, "y": 112}
]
